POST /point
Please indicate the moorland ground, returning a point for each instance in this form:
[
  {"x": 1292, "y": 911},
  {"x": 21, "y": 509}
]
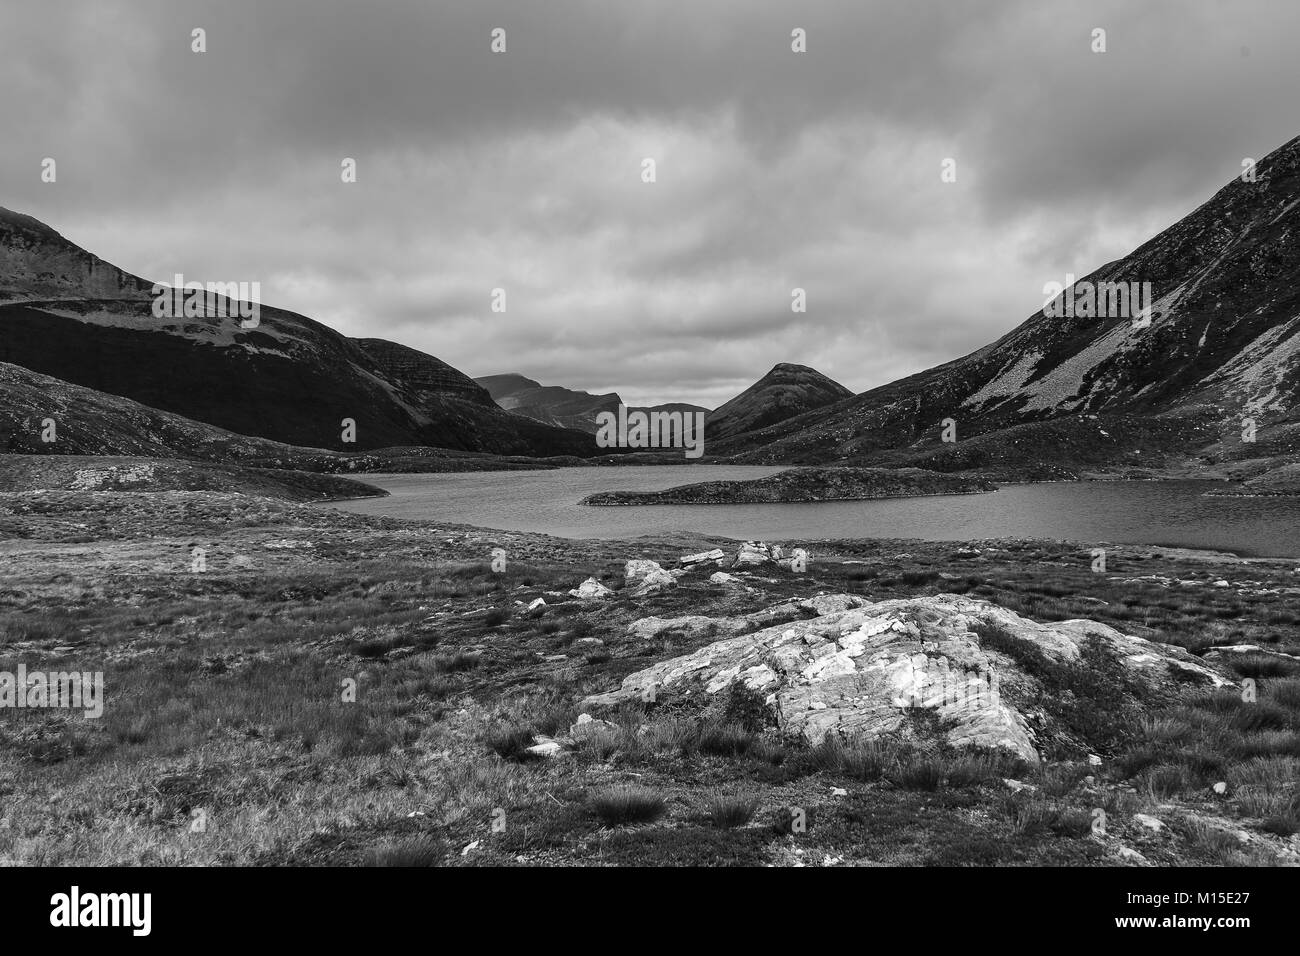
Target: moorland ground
[{"x": 226, "y": 737}]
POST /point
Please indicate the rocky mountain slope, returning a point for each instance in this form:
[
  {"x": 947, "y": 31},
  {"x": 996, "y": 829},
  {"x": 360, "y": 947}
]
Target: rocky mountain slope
[
  {"x": 783, "y": 393},
  {"x": 69, "y": 315},
  {"x": 1222, "y": 346},
  {"x": 87, "y": 422},
  {"x": 565, "y": 407},
  {"x": 36, "y": 263}
]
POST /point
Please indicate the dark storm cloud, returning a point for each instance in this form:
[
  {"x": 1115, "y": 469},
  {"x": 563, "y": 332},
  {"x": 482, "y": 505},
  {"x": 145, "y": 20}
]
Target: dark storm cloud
[{"x": 521, "y": 171}]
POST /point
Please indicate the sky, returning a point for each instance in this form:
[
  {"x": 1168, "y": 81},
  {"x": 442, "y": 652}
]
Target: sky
[{"x": 523, "y": 170}]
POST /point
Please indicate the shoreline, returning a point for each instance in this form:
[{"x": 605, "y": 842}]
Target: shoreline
[{"x": 792, "y": 501}]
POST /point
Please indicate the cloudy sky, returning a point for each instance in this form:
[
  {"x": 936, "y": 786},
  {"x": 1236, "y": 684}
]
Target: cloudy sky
[{"x": 523, "y": 170}]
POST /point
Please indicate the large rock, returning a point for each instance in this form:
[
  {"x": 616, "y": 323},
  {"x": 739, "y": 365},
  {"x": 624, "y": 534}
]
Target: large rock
[
  {"x": 752, "y": 553},
  {"x": 645, "y": 576},
  {"x": 591, "y": 590},
  {"x": 638, "y": 569},
  {"x": 692, "y": 626},
  {"x": 717, "y": 554},
  {"x": 857, "y": 670}
]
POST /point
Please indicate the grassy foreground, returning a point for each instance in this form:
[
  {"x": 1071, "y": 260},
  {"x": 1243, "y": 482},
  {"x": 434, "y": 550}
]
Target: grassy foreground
[{"x": 230, "y": 734}]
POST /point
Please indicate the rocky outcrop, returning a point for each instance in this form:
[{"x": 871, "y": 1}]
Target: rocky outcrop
[
  {"x": 804, "y": 485},
  {"x": 858, "y": 668}
]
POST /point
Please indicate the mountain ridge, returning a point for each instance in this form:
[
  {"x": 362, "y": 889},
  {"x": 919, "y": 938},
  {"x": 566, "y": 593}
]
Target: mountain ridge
[
  {"x": 1222, "y": 347},
  {"x": 558, "y": 405},
  {"x": 70, "y": 315}
]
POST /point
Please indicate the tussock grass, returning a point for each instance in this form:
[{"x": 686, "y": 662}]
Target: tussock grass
[
  {"x": 1034, "y": 815},
  {"x": 859, "y": 758},
  {"x": 731, "y": 810},
  {"x": 721, "y": 738},
  {"x": 1262, "y": 665},
  {"x": 627, "y": 803},
  {"x": 511, "y": 742},
  {"x": 414, "y": 851},
  {"x": 1212, "y": 840},
  {"x": 1165, "y": 781}
]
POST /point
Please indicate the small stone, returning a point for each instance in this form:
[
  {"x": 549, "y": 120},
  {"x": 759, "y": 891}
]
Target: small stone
[
  {"x": 839, "y": 792},
  {"x": 1221, "y": 787},
  {"x": 1094, "y": 760},
  {"x": 1148, "y": 821},
  {"x": 540, "y": 603},
  {"x": 1130, "y": 854},
  {"x": 470, "y": 848},
  {"x": 546, "y": 747},
  {"x": 586, "y": 725}
]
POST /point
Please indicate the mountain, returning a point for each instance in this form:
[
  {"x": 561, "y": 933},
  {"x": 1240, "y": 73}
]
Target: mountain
[
  {"x": 551, "y": 404},
  {"x": 784, "y": 392},
  {"x": 556, "y": 405},
  {"x": 87, "y": 422},
  {"x": 426, "y": 377},
  {"x": 1062, "y": 394},
  {"x": 67, "y": 314},
  {"x": 91, "y": 423},
  {"x": 38, "y": 263}
]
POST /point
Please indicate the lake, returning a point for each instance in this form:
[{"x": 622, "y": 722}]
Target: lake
[{"x": 1171, "y": 513}]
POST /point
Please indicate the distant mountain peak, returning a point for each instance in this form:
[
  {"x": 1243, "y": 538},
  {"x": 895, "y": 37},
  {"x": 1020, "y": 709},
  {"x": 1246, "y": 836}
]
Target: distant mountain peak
[
  {"x": 788, "y": 390},
  {"x": 557, "y": 405}
]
